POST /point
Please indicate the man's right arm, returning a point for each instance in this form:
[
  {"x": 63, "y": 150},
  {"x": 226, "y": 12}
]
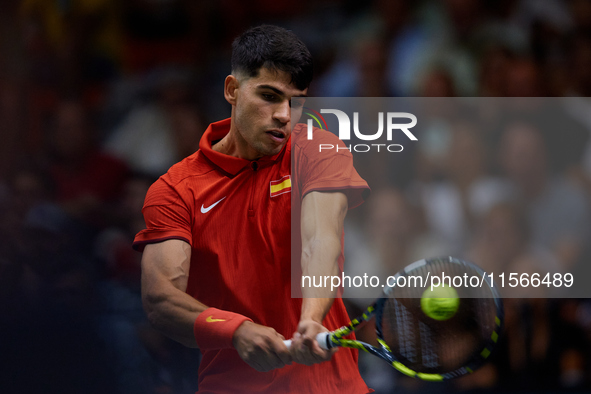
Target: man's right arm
[{"x": 165, "y": 274}]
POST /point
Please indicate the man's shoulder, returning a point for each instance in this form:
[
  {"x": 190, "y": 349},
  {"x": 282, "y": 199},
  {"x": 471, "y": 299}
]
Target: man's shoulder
[
  {"x": 189, "y": 169},
  {"x": 181, "y": 180}
]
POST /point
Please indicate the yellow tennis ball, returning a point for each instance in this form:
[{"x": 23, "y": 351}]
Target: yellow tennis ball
[{"x": 441, "y": 303}]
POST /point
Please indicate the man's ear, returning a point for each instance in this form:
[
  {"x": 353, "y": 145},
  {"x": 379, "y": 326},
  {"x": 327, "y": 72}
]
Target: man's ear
[{"x": 231, "y": 85}]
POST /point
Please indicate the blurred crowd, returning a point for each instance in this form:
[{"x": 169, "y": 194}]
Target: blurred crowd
[
  {"x": 499, "y": 190},
  {"x": 99, "y": 97}
]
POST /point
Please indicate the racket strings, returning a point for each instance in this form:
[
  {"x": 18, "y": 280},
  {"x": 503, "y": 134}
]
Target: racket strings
[
  {"x": 426, "y": 345},
  {"x": 404, "y": 327},
  {"x": 428, "y": 350}
]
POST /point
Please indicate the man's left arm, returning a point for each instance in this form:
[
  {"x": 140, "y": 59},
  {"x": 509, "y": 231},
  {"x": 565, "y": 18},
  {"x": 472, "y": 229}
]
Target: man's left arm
[{"x": 322, "y": 219}]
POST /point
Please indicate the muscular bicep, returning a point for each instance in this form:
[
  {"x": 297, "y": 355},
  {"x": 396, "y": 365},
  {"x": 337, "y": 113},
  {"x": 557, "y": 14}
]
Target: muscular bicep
[
  {"x": 166, "y": 262},
  {"x": 323, "y": 217},
  {"x": 165, "y": 273}
]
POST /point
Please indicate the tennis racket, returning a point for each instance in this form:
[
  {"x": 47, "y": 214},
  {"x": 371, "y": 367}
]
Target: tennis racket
[{"x": 418, "y": 345}]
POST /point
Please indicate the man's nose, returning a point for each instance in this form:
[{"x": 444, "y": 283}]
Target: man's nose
[{"x": 283, "y": 112}]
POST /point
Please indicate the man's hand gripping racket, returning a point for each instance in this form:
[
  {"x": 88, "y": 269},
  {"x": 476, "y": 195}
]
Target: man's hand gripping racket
[{"x": 416, "y": 340}]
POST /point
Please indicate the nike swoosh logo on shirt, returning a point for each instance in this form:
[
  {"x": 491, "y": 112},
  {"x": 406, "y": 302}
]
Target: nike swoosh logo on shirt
[{"x": 205, "y": 210}]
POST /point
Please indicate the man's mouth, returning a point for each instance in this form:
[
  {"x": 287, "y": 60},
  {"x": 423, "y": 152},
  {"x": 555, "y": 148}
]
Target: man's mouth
[{"x": 276, "y": 135}]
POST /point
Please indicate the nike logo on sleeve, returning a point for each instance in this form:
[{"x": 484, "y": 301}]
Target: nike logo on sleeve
[{"x": 205, "y": 210}]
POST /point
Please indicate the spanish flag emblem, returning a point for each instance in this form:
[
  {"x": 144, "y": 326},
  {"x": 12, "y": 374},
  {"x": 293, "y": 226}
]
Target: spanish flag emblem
[{"x": 281, "y": 186}]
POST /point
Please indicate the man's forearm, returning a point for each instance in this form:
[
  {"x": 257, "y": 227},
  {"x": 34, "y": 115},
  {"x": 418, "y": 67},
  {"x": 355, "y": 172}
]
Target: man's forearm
[
  {"x": 323, "y": 215},
  {"x": 165, "y": 272},
  {"x": 174, "y": 313},
  {"x": 319, "y": 259},
  {"x": 315, "y": 308}
]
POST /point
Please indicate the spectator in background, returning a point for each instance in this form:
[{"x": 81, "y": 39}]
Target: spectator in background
[
  {"x": 580, "y": 10},
  {"x": 156, "y": 135},
  {"x": 578, "y": 104},
  {"x": 524, "y": 79},
  {"x": 494, "y": 67},
  {"x": 465, "y": 191},
  {"x": 431, "y": 149},
  {"x": 557, "y": 211},
  {"x": 437, "y": 83},
  {"x": 443, "y": 38},
  {"x": 502, "y": 243},
  {"x": 388, "y": 46},
  {"x": 372, "y": 64},
  {"x": 85, "y": 178},
  {"x": 187, "y": 125},
  {"x": 77, "y": 42},
  {"x": 25, "y": 187},
  {"x": 361, "y": 72},
  {"x": 527, "y": 83},
  {"x": 392, "y": 238},
  {"x": 121, "y": 263}
]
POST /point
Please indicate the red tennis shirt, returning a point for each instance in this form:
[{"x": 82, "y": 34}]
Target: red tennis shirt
[{"x": 236, "y": 215}]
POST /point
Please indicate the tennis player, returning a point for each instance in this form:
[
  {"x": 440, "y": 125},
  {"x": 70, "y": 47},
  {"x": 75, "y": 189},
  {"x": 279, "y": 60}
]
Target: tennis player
[{"x": 216, "y": 270}]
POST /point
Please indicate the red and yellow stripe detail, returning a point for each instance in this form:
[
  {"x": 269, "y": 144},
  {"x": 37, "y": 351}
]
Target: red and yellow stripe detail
[{"x": 280, "y": 186}]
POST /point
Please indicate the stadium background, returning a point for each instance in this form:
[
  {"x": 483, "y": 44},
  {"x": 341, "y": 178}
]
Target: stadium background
[{"x": 99, "y": 97}]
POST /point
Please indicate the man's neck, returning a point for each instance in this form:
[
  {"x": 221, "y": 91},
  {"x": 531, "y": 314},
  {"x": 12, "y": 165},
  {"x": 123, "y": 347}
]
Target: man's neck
[{"x": 234, "y": 145}]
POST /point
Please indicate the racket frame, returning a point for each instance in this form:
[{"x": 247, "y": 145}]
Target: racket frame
[{"x": 337, "y": 338}]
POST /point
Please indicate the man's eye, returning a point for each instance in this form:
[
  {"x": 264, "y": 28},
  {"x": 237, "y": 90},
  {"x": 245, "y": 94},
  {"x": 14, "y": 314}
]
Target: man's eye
[{"x": 268, "y": 97}]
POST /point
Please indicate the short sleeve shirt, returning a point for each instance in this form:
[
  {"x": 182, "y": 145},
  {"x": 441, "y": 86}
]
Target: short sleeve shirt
[{"x": 236, "y": 215}]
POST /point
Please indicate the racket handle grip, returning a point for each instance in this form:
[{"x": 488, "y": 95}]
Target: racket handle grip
[
  {"x": 321, "y": 338},
  {"x": 323, "y": 341}
]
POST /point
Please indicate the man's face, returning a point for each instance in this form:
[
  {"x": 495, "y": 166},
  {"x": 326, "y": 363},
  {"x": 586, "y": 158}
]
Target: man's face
[{"x": 263, "y": 112}]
